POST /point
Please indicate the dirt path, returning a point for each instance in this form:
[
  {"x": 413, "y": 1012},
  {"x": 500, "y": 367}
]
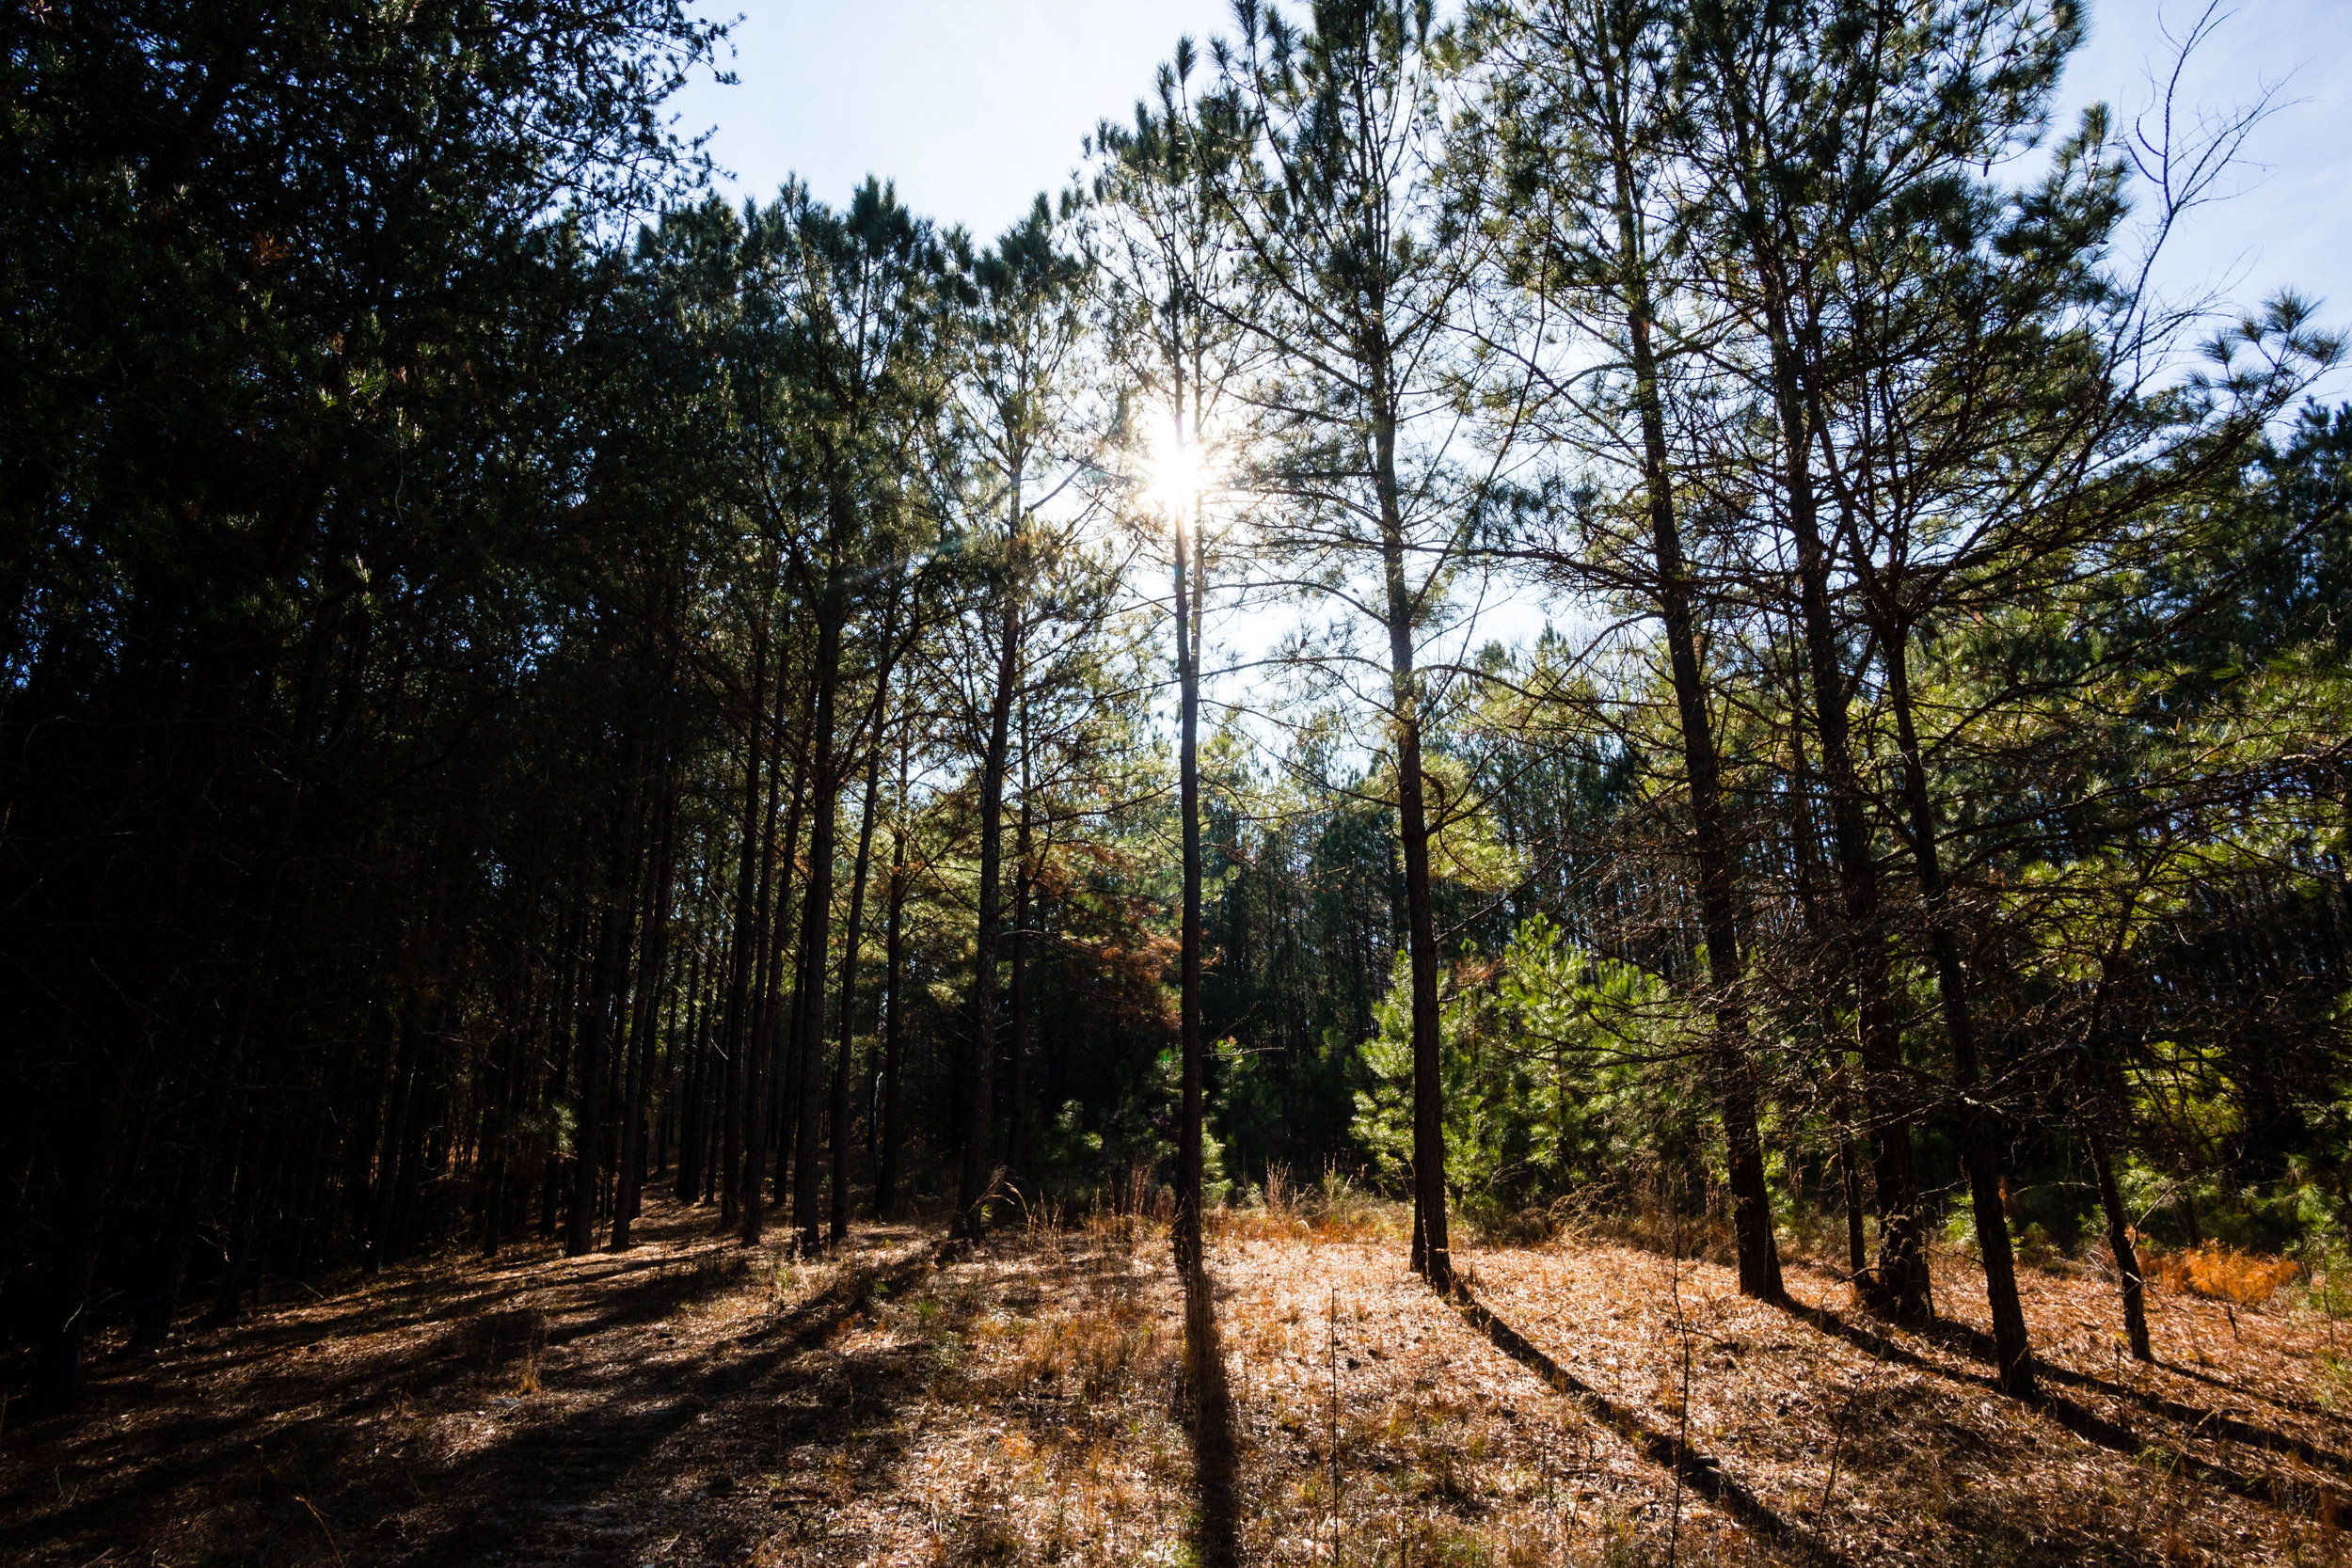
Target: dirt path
[{"x": 691, "y": 1401}]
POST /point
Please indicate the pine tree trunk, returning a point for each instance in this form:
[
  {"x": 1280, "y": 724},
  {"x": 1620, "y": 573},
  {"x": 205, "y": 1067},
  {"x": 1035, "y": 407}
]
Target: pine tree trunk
[
  {"x": 1190, "y": 1148},
  {"x": 603, "y": 1000},
  {"x": 387, "y": 1187},
  {"x": 1805, "y": 844},
  {"x": 850, "y": 935},
  {"x": 894, "y": 971},
  {"x": 653, "y": 960},
  {"x": 690, "y": 1085},
  {"x": 824, "y": 811},
  {"x": 978, "y": 1172},
  {"x": 735, "y": 1019},
  {"x": 1902, "y": 1271},
  {"x": 562, "y": 1025},
  {"x": 1432, "y": 1257},
  {"x": 1017, "y": 1015},
  {"x": 767, "y": 1048},
  {"x": 1979, "y": 1130},
  {"x": 2132, "y": 1283},
  {"x": 178, "y": 1241},
  {"x": 1758, "y": 1255},
  {"x": 772, "y": 934}
]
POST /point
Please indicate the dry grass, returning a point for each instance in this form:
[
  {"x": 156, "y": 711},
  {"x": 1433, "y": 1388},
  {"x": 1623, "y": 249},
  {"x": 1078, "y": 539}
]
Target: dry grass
[
  {"x": 695, "y": 1402},
  {"x": 2221, "y": 1274},
  {"x": 1331, "y": 1209}
]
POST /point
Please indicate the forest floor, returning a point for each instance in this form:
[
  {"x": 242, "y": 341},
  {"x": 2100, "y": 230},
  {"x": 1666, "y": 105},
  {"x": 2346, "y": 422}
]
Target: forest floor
[{"x": 695, "y": 1401}]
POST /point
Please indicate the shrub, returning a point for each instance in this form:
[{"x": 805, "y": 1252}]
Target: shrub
[{"x": 2220, "y": 1273}]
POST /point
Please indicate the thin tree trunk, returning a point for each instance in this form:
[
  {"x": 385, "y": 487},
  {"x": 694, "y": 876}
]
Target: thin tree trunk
[
  {"x": 653, "y": 960},
  {"x": 2129, "y": 1278},
  {"x": 563, "y": 1023},
  {"x": 779, "y": 1047},
  {"x": 1903, "y": 1280},
  {"x": 1017, "y": 1124},
  {"x": 495, "y": 1187},
  {"x": 850, "y": 937},
  {"x": 1978, "y": 1129},
  {"x": 376, "y": 1253},
  {"x": 690, "y": 1089},
  {"x": 1903, "y": 1287},
  {"x": 734, "y": 1020},
  {"x": 816, "y": 910},
  {"x": 1190, "y": 1146},
  {"x": 604, "y": 997},
  {"x": 767, "y": 1021},
  {"x": 1431, "y": 1255},
  {"x": 894, "y": 971},
  {"x": 1758, "y": 1255},
  {"x": 978, "y": 1174},
  {"x": 1805, "y": 843},
  {"x": 154, "y": 1319},
  {"x": 2127, "y": 1269}
]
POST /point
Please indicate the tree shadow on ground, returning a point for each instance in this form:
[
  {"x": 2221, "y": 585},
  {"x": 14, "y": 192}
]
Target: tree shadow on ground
[
  {"x": 317, "y": 1451},
  {"x": 1700, "y": 1472},
  {"x": 1978, "y": 1346},
  {"x": 2293, "y": 1497},
  {"x": 1209, "y": 1412},
  {"x": 559, "y": 1485}
]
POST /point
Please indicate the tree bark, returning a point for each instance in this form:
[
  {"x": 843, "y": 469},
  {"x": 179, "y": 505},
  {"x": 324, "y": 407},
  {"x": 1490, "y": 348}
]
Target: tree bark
[
  {"x": 2129, "y": 1278},
  {"x": 978, "y": 1172},
  {"x": 2133, "y": 1284},
  {"x": 760, "y": 1026},
  {"x": 604, "y": 999},
  {"x": 1979, "y": 1127},
  {"x": 734, "y": 1024},
  {"x": 155, "y": 1315},
  {"x": 850, "y": 935},
  {"x": 1902, "y": 1271},
  {"x": 1017, "y": 1122},
  {"x": 815, "y": 934},
  {"x": 1190, "y": 1145},
  {"x": 1902, "y": 1286},
  {"x": 387, "y": 1188},
  {"x": 1758, "y": 1255},
  {"x": 894, "y": 970},
  {"x": 653, "y": 960},
  {"x": 1431, "y": 1255},
  {"x": 778, "y": 1047},
  {"x": 690, "y": 1085}
]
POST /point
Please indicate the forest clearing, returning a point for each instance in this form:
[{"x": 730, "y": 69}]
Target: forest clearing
[
  {"x": 1539, "y": 781},
  {"x": 693, "y": 1401}
]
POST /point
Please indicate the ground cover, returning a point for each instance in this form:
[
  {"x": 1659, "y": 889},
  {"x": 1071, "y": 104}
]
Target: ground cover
[{"x": 695, "y": 1401}]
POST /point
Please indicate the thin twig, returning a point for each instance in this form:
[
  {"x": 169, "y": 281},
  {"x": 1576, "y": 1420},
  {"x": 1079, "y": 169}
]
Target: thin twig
[{"x": 323, "y": 1530}]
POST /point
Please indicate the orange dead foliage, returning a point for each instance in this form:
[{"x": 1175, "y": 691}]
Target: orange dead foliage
[{"x": 2221, "y": 1274}]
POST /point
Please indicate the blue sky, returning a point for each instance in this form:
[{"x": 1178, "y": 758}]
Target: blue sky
[{"x": 972, "y": 107}]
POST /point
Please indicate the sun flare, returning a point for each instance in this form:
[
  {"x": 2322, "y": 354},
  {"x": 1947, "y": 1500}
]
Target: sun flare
[{"x": 1177, "y": 471}]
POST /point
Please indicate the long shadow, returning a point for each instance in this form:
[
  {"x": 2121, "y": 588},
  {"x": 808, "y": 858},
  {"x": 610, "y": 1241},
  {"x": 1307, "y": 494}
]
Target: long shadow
[
  {"x": 1210, "y": 1404},
  {"x": 1703, "y": 1474},
  {"x": 199, "y": 1437},
  {"x": 591, "y": 1477},
  {"x": 2302, "y": 1407},
  {"x": 2090, "y": 1426},
  {"x": 328, "y": 1442},
  {"x": 577, "y": 1463},
  {"x": 1977, "y": 1345}
]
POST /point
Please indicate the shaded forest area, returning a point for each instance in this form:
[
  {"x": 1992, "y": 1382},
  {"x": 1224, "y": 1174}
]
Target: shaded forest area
[{"x": 1592, "y": 630}]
